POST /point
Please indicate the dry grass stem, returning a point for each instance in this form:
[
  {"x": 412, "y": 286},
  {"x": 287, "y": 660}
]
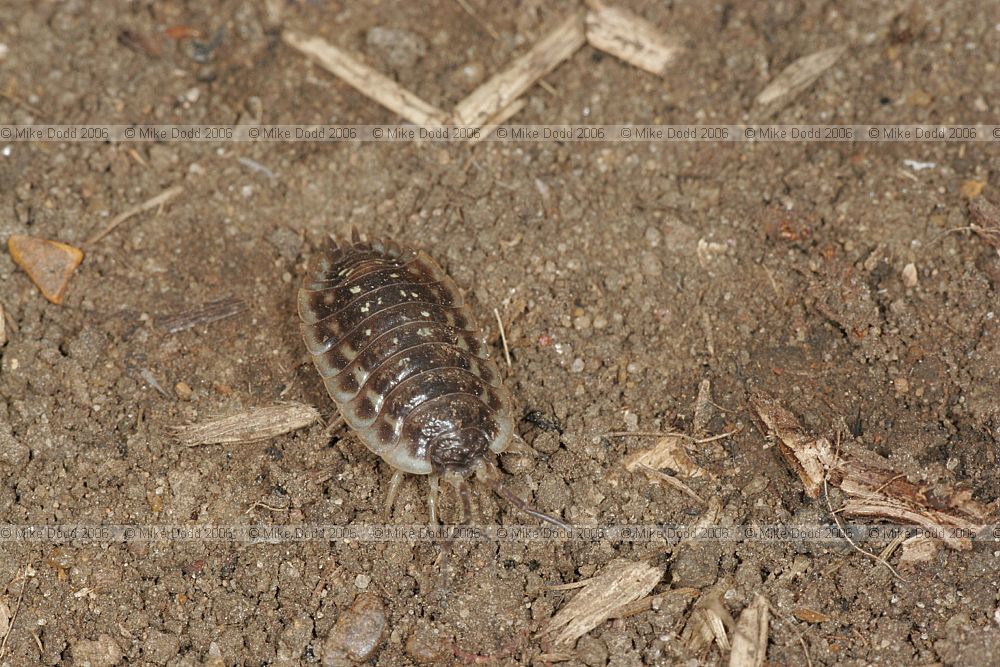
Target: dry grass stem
[
  {"x": 366, "y": 80},
  {"x": 154, "y": 202},
  {"x": 487, "y": 101}
]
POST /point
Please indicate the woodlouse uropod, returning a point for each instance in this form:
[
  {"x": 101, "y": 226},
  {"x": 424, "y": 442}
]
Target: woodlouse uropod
[{"x": 400, "y": 355}]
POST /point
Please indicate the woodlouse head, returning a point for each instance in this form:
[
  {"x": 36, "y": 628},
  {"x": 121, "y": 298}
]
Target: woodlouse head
[{"x": 458, "y": 452}]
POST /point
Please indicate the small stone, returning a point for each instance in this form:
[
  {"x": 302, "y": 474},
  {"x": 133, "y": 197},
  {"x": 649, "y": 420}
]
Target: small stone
[
  {"x": 577, "y": 366},
  {"x": 425, "y": 647},
  {"x": 591, "y": 651},
  {"x": 184, "y": 391},
  {"x": 101, "y": 652},
  {"x": 160, "y": 647},
  {"x": 902, "y": 385},
  {"x": 581, "y": 323},
  {"x": 920, "y": 98},
  {"x": 910, "y": 275},
  {"x": 653, "y": 236},
  {"x": 357, "y": 633},
  {"x": 399, "y": 48},
  {"x": 361, "y": 581},
  {"x": 214, "y": 657},
  {"x": 49, "y": 264},
  {"x": 651, "y": 264}
]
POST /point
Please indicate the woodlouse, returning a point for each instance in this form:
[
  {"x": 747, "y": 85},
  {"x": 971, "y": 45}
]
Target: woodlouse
[{"x": 400, "y": 355}]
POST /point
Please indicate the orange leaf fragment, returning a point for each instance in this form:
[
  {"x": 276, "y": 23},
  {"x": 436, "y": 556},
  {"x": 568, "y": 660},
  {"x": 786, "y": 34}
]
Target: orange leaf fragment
[{"x": 49, "y": 264}]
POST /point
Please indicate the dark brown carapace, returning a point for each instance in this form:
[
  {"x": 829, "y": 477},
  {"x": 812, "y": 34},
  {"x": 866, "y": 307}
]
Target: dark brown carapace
[{"x": 400, "y": 355}]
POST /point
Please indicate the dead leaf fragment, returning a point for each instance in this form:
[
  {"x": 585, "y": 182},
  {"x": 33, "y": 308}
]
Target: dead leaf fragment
[
  {"x": 619, "y": 584},
  {"x": 798, "y": 76},
  {"x": 972, "y": 188},
  {"x": 249, "y": 426},
  {"x": 49, "y": 264},
  {"x": 750, "y": 638}
]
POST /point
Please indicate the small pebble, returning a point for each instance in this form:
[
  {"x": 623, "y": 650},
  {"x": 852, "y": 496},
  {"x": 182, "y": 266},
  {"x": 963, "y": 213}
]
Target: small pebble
[
  {"x": 357, "y": 633},
  {"x": 910, "y": 275},
  {"x": 361, "y": 581},
  {"x": 577, "y": 366},
  {"x": 651, "y": 264},
  {"x": 184, "y": 391},
  {"x": 425, "y": 647}
]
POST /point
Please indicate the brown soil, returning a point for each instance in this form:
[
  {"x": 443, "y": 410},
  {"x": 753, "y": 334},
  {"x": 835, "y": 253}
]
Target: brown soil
[{"x": 590, "y": 253}]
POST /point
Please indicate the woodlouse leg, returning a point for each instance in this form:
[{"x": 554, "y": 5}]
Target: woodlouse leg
[
  {"x": 432, "y": 499},
  {"x": 466, "y": 496},
  {"x": 390, "y": 496}
]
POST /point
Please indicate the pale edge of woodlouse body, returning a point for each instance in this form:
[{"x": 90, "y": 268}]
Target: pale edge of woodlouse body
[{"x": 400, "y": 355}]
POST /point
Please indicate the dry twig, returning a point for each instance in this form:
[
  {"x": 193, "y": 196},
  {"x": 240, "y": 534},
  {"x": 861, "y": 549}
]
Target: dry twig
[
  {"x": 151, "y": 203},
  {"x": 501, "y": 90}
]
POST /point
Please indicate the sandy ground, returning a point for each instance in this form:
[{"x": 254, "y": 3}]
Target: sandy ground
[{"x": 590, "y": 253}]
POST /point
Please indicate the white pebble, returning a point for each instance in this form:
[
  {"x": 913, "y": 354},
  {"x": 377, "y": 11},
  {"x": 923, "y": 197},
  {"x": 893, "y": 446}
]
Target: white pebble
[{"x": 910, "y": 275}]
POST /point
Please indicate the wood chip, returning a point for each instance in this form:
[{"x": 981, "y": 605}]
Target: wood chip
[
  {"x": 3, "y": 327},
  {"x": 205, "y": 313},
  {"x": 630, "y": 38},
  {"x": 151, "y": 203},
  {"x": 703, "y": 408},
  {"x": 249, "y": 426},
  {"x": 810, "y": 615},
  {"x": 798, "y": 76},
  {"x": 366, "y": 80},
  {"x": 872, "y": 490},
  {"x": 918, "y": 549},
  {"x": 805, "y": 454},
  {"x": 668, "y": 452},
  {"x": 750, "y": 637},
  {"x": 49, "y": 264},
  {"x": 500, "y": 91},
  {"x": 618, "y": 585},
  {"x": 707, "y": 623}
]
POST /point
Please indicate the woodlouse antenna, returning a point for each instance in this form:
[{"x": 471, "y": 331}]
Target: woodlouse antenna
[{"x": 489, "y": 475}]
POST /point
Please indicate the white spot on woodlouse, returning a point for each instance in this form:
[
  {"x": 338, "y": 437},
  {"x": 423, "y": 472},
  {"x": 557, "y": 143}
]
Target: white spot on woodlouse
[
  {"x": 368, "y": 332},
  {"x": 425, "y": 313},
  {"x": 402, "y": 292},
  {"x": 356, "y": 289},
  {"x": 393, "y": 275},
  {"x": 364, "y": 309},
  {"x": 414, "y": 295},
  {"x": 423, "y": 331}
]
